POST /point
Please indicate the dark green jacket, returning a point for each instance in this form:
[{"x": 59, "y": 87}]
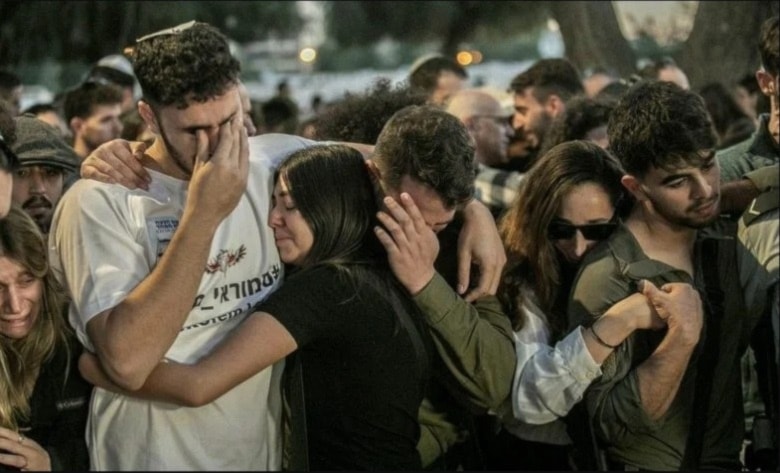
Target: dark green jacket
[
  {"x": 610, "y": 273},
  {"x": 757, "y": 151}
]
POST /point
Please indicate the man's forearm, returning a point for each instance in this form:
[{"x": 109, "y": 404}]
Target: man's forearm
[
  {"x": 134, "y": 336},
  {"x": 660, "y": 375}
]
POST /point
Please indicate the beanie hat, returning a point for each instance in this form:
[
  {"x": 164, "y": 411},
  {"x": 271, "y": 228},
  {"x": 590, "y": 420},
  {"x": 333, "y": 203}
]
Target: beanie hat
[{"x": 38, "y": 143}]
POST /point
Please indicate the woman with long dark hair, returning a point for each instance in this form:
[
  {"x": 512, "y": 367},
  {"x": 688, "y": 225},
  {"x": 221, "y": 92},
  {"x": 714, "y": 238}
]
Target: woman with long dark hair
[
  {"x": 569, "y": 201},
  {"x": 355, "y": 331}
]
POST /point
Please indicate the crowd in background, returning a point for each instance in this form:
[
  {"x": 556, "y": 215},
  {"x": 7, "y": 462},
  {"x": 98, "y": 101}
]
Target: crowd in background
[{"x": 578, "y": 272}]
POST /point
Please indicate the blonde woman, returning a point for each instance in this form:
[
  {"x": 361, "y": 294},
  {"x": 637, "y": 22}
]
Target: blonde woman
[{"x": 43, "y": 399}]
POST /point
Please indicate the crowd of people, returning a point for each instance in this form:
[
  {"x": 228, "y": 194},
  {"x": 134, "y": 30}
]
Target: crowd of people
[{"x": 578, "y": 274}]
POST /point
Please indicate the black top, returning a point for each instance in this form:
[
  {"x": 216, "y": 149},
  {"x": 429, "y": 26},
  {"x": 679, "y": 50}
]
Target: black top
[
  {"x": 59, "y": 408},
  {"x": 361, "y": 376}
]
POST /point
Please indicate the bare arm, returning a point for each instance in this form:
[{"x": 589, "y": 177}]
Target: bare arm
[
  {"x": 131, "y": 338},
  {"x": 257, "y": 343},
  {"x": 615, "y": 400},
  {"x": 660, "y": 375}
]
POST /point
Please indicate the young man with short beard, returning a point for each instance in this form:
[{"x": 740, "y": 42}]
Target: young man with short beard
[{"x": 668, "y": 399}]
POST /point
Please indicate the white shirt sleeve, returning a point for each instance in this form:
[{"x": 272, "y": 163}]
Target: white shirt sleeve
[
  {"x": 96, "y": 249},
  {"x": 548, "y": 380}
]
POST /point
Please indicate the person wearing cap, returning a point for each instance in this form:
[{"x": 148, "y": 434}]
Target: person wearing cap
[
  {"x": 44, "y": 161},
  {"x": 116, "y": 69},
  {"x": 438, "y": 77}
]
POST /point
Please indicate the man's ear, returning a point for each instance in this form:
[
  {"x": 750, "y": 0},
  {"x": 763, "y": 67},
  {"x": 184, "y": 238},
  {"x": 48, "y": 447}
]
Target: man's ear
[
  {"x": 554, "y": 105},
  {"x": 766, "y": 82},
  {"x": 75, "y": 125},
  {"x": 376, "y": 181},
  {"x": 471, "y": 124},
  {"x": 145, "y": 110},
  {"x": 633, "y": 186}
]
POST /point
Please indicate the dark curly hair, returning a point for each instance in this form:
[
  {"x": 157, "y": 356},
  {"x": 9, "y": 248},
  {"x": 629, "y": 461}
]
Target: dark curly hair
[
  {"x": 582, "y": 115},
  {"x": 359, "y": 117},
  {"x": 194, "y": 64},
  {"x": 658, "y": 124}
]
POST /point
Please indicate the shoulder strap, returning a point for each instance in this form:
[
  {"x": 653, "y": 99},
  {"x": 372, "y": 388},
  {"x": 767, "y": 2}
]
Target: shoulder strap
[
  {"x": 765, "y": 202},
  {"x": 713, "y": 301}
]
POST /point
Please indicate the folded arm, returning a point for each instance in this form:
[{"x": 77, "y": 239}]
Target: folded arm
[
  {"x": 257, "y": 343},
  {"x": 636, "y": 393},
  {"x": 473, "y": 340}
]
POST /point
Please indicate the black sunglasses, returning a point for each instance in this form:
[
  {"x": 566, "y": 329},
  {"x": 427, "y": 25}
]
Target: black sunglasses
[
  {"x": 8, "y": 159},
  {"x": 559, "y": 230}
]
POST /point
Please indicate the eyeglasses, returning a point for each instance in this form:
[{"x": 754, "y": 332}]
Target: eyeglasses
[
  {"x": 498, "y": 119},
  {"x": 8, "y": 159},
  {"x": 168, "y": 31},
  {"x": 559, "y": 230}
]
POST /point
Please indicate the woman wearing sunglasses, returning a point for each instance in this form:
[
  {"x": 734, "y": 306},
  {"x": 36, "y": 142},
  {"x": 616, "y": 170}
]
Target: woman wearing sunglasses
[{"x": 568, "y": 202}]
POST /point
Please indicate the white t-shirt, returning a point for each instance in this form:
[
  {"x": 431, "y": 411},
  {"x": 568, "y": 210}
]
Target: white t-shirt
[{"x": 105, "y": 239}]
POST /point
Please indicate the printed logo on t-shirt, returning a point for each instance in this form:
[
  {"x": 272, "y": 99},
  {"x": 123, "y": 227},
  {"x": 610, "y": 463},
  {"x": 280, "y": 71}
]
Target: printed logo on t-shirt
[
  {"x": 225, "y": 259},
  {"x": 161, "y": 230}
]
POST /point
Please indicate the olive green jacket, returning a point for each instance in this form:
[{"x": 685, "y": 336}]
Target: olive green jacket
[{"x": 608, "y": 274}]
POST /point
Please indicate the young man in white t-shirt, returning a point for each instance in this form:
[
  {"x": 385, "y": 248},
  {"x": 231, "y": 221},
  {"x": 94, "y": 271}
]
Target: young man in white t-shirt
[{"x": 133, "y": 262}]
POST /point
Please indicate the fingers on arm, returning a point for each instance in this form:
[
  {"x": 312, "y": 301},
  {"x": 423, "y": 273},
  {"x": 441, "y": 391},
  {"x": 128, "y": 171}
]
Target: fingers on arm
[{"x": 115, "y": 163}]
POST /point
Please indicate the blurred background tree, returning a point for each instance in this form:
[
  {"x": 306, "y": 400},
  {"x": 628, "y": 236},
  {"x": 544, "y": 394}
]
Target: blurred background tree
[
  {"x": 56, "y": 41},
  {"x": 721, "y": 45}
]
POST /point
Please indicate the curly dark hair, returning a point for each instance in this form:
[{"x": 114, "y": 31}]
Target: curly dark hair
[
  {"x": 431, "y": 146},
  {"x": 582, "y": 115},
  {"x": 658, "y": 124},
  {"x": 359, "y": 117},
  {"x": 194, "y": 64}
]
